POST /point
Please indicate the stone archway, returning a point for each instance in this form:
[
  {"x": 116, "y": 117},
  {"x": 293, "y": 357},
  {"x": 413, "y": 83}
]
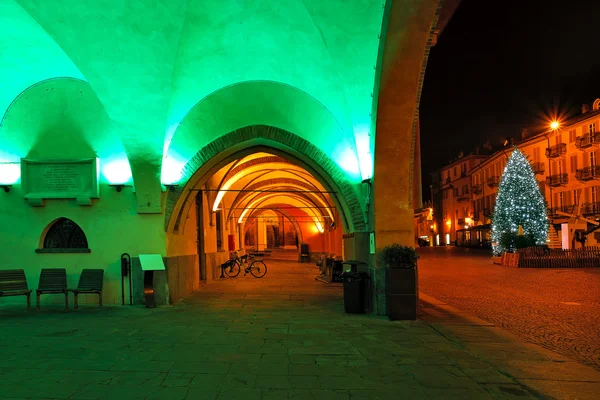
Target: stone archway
[{"x": 255, "y": 138}]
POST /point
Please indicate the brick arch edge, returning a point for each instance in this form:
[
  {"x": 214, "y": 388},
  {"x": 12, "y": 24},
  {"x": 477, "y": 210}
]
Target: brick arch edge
[{"x": 279, "y": 139}]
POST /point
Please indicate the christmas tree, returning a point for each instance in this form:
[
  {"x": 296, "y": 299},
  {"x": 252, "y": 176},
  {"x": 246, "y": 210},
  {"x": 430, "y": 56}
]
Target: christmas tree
[{"x": 519, "y": 204}]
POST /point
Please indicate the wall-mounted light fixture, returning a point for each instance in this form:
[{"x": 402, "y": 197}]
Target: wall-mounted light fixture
[
  {"x": 170, "y": 186},
  {"x": 5, "y": 187},
  {"x": 118, "y": 186}
]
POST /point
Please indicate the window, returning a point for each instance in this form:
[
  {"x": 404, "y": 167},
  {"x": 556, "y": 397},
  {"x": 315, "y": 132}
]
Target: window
[
  {"x": 536, "y": 154},
  {"x": 594, "y": 196},
  {"x": 454, "y": 171},
  {"x": 64, "y": 236},
  {"x": 561, "y": 199},
  {"x": 592, "y": 127},
  {"x": 558, "y": 139},
  {"x": 219, "y": 225},
  {"x": 574, "y": 164},
  {"x": 576, "y": 197},
  {"x": 559, "y": 167},
  {"x": 592, "y": 159},
  {"x": 465, "y": 189},
  {"x": 455, "y": 192},
  {"x": 572, "y": 135}
]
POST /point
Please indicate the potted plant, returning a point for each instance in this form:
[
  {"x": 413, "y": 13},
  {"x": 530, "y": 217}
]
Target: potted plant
[{"x": 401, "y": 281}]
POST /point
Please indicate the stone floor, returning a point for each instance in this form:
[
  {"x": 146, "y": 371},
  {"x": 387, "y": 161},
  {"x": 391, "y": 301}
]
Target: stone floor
[
  {"x": 557, "y": 308},
  {"x": 283, "y": 336}
]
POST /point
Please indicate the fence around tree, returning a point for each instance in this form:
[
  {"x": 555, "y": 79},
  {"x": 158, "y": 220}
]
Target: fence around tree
[{"x": 540, "y": 257}]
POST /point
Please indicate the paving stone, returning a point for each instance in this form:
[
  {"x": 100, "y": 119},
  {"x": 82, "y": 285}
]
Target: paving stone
[
  {"x": 169, "y": 393},
  {"x": 207, "y": 380},
  {"x": 240, "y": 394},
  {"x": 305, "y": 381},
  {"x": 201, "y": 367},
  {"x": 506, "y": 391},
  {"x": 91, "y": 392},
  {"x": 237, "y": 380},
  {"x": 201, "y": 393},
  {"x": 272, "y": 382},
  {"x": 177, "y": 379}
]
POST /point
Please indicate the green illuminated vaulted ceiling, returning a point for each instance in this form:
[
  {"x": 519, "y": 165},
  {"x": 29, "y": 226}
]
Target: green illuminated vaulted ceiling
[{"x": 153, "y": 82}]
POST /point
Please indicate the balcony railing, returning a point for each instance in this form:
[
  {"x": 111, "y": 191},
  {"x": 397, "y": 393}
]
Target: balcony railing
[
  {"x": 570, "y": 209},
  {"x": 557, "y": 180},
  {"x": 538, "y": 168},
  {"x": 463, "y": 197},
  {"x": 477, "y": 189},
  {"x": 493, "y": 181},
  {"x": 556, "y": 151},
  {"x": 588, "y": 209},
  {"x": 587, "y": 140},
  {"x": 588, "y": 173}
]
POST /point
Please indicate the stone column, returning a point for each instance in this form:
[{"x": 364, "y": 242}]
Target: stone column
[{"x": 402, "y": 62}]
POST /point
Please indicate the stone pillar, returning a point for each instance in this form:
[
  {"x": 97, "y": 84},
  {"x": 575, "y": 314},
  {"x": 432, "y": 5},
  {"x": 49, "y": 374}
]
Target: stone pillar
[
  {"x": 417, "y": 183},
  {"x": 402, "y": 62},
  {"x": 261, "y": 239}
]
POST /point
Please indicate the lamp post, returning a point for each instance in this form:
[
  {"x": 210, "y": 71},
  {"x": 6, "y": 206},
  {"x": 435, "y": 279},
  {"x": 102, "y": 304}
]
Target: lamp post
[{"x": 554, "y": 125}]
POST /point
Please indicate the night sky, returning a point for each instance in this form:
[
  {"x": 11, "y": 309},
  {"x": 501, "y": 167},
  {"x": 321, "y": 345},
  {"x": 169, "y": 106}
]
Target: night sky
[{"x": 502, "y": 66}]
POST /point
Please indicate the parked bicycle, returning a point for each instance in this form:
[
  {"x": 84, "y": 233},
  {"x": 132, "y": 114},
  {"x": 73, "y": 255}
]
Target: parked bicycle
[{"x": 256, "y": 267}]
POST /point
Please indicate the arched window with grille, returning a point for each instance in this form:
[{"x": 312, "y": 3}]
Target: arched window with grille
[{"x": 64, "y": 236}]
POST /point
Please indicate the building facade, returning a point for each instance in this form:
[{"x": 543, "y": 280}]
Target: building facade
[{"x": 565, "y": 161}]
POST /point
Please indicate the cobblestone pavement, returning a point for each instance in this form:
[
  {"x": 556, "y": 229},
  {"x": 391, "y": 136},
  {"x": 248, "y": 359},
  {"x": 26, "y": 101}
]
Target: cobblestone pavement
[
  {"x": 284, "y": 336},
  {"x": 555, "y": 308}
]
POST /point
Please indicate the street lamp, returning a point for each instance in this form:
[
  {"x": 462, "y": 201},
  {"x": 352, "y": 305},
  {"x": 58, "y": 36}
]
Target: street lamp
[{"x": 554, "y": 125}]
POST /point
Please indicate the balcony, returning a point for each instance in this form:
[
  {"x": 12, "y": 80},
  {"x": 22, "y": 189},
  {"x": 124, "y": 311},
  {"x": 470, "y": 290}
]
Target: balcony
[
  {"x": 589, "y": 209},
  {"x": 538, "y": 168},
  {"x": 463, "y": 197},
  {"x": 557, "y": 180},
  {"x": 493, "y": 181},
  {"x": 588, "y": 173},
  {"x": 477, "y": 189},
  {"x": 571, "y": 209},
  {"x": 556, "y": 151},
  {"x": 587, "y": 140}
]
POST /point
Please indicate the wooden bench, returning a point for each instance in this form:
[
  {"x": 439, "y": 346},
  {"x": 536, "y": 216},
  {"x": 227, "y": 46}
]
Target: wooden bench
[
  {"x": 90, "y": 282},
  {"x": 14, "y": 283},
  {"x": 53, "y": 281}
]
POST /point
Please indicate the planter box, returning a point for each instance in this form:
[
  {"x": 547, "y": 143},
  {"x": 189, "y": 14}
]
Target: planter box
[
  {"x": 510, "y": 260},
  {"x": 497, "y": 260},
  {"x": 401, "y": 293}
]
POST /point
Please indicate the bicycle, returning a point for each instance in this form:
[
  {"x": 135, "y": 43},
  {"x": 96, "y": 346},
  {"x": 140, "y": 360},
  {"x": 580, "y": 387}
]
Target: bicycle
[{"x": 257, "y": 267}]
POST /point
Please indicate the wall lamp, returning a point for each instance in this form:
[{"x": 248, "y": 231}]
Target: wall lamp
[
  {"x": 118, "y": 186},
  {"x": 6, "y": 187}
]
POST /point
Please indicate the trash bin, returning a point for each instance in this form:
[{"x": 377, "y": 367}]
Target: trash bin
[{"x": 355, "y": 289}]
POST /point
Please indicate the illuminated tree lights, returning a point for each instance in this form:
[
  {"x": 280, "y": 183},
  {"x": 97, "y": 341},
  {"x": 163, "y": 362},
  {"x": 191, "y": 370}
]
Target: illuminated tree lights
[{"x": 519, "y": 204}]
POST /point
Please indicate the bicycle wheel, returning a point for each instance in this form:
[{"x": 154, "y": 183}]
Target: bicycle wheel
[
  {"x": 233, "y": 270},
  {"x": 258, "y": 269}
]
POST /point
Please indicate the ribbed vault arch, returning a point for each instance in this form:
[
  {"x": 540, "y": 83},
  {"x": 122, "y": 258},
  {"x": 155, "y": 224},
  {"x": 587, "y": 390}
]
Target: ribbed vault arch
[{"x": 261, "y": 138}]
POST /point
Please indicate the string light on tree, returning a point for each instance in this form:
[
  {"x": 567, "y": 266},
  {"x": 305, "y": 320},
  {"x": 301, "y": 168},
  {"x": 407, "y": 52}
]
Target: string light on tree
[{"x": 520, "y": 206}]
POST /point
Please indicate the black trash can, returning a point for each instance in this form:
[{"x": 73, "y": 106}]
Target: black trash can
[{"x": 355, "y": 290}]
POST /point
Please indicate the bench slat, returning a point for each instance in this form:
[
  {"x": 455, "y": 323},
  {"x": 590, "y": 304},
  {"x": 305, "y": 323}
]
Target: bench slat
[
  {"x": 53, "y": 279},
  {"x": 13, "y": 279},
  {"x": 91, "y": 279}
]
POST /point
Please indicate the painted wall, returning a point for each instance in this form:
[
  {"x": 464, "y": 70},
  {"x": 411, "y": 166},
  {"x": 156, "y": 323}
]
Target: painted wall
[{"x": 111, "y": 225}]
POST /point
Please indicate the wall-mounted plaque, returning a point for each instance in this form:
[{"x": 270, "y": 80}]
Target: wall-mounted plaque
[{"x": 60, "y": 179}]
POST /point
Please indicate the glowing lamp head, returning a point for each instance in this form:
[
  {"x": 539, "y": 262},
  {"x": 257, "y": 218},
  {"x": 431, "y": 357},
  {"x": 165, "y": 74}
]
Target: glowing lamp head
[{"x": 554, "y": 125}]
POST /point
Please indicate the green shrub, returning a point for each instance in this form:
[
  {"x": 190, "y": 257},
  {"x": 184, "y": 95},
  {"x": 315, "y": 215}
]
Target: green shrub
[{"x": 398, "y": 256}]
